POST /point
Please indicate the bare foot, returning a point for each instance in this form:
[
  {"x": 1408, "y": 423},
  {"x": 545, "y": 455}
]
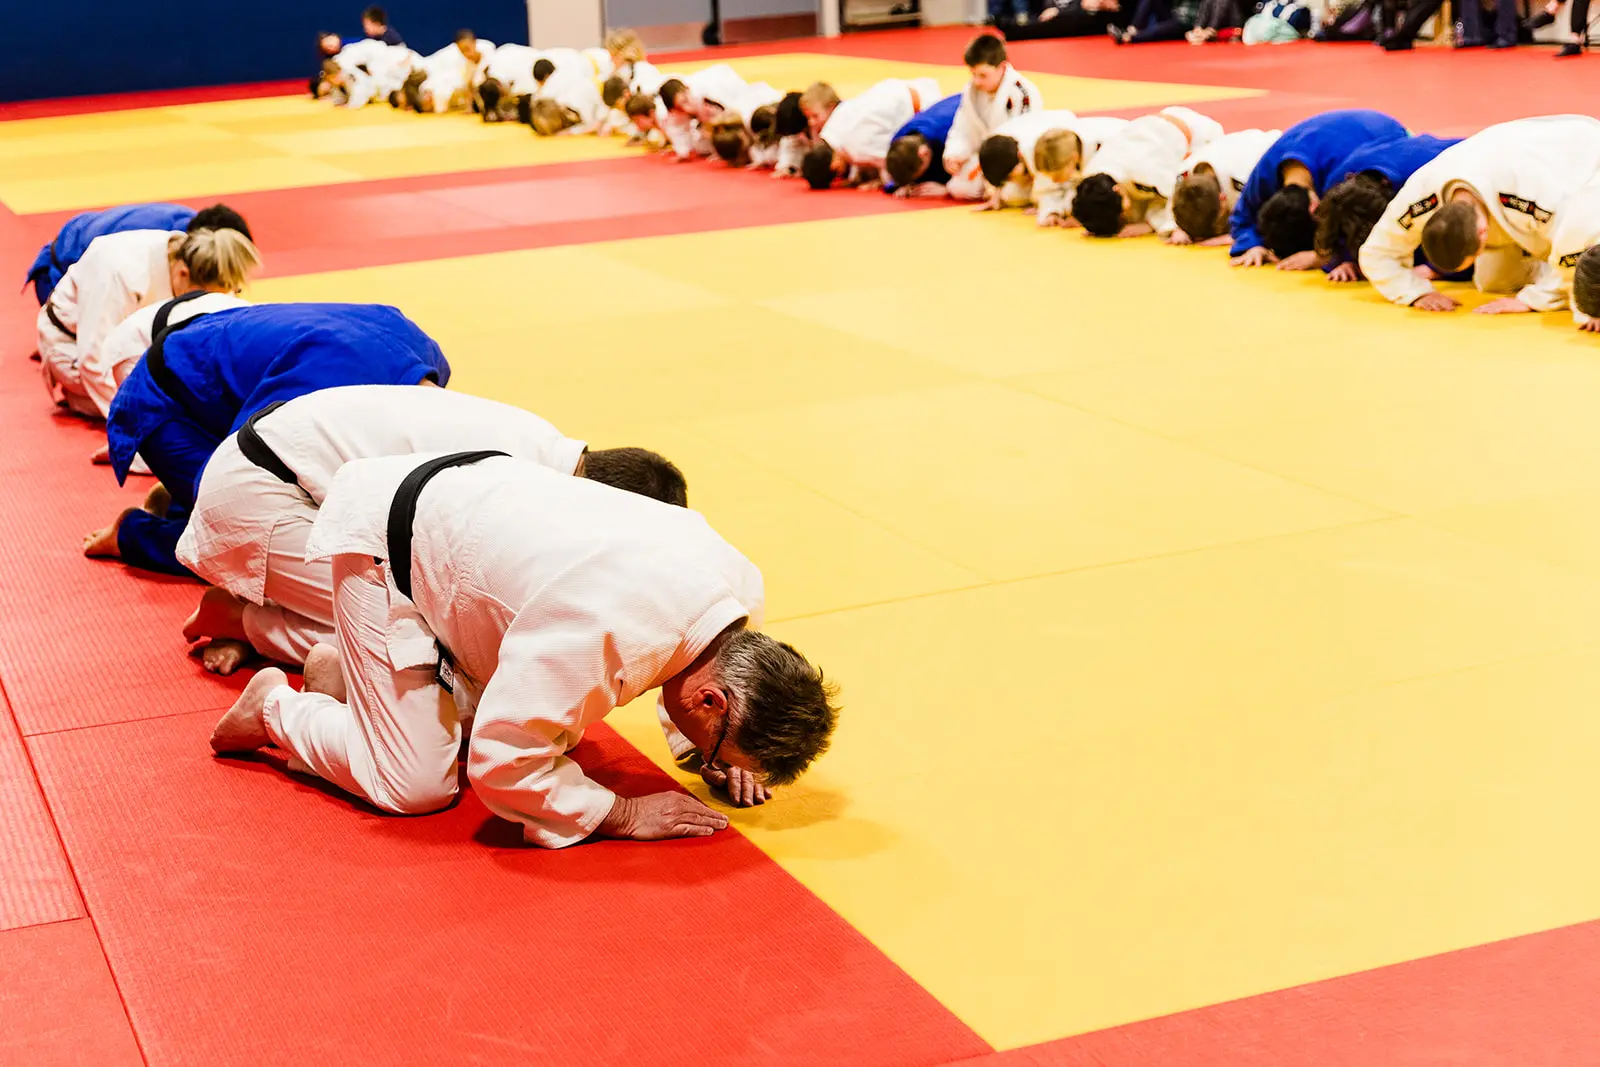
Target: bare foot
[
  {"x": 157, "y": 501},
  {"x": 102, "y": 456},
  {"x": 102, "y": 544},
  {"x": 223, "y": 656},
  {"x": 242, "y": 728},
  {"x": 323, "y": 673},
  {"x": 220, "y": 615}
]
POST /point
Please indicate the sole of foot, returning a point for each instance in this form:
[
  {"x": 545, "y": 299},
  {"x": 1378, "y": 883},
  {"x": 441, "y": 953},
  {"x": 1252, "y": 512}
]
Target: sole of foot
[{"x": 243, "y": 729}]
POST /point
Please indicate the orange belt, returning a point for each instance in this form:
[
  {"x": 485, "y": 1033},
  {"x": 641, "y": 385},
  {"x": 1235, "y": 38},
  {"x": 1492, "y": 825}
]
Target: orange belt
[{"x": 916, "y": 100}]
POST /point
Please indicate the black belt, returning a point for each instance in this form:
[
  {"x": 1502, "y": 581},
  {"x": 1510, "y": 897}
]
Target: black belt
[
  {"x": 55, "y": 260},
  {"x": 257, "y": 451},
  {"x": 404, "y": 510},
  {"x": 172, "y": 385},
  {"x": 50, "y": 313}
]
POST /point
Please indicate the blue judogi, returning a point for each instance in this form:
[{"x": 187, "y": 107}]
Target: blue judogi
[
  {"x": 1320, "y": 144},
  {"x": 1394, "y": 161},
  {"x": 74, "y": 239},
  {"x": 224, "y": 367},
  {"x": 933, "y": 125}
]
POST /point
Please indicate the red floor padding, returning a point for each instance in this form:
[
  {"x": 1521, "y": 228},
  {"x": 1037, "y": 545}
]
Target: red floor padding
[
  {"x": 252, "y": 918},
  {"x": 35, "y": 883},
  {"x": 1527, "y": 1002},
  {"x": 58, "y": 1004}
]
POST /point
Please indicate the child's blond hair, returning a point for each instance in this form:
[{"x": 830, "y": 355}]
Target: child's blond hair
[
  {"x": 1056, "y": 151},
  {"x": 624, "y": 46},
  {"x": 819, "y": 97},
  {"x": 549, "y": 117}
]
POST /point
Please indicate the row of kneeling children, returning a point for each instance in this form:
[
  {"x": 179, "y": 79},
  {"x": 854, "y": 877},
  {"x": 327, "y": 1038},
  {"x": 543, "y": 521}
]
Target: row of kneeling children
[{"x": 455, "y": 576}]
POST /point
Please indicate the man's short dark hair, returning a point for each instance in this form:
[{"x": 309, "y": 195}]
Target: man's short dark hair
[
  {"x": 986, "y": 49},
  {"x": 1450, "y": 238},
  {"x": 1097, "y": 205},
  {"x": 615, "y": 88},
  {"x": 784, "y": 711},
  {"x": 998, "y": 156},
  {"x": 817, "y": 166},
  {"x": 638, "y": 470},
  {"x": 1586, "y": 282},
  {"x": 1346, "y": 216},
  {"x": 490, "y": 93},
  {"x": 669, "y": 92},
  {"x": 904, "y": 159},
  {"x": 542, "y": 70},
  {"x": 375, "y": 15},
  {"x": 1285, "y": 222},
  {"x": 791, "y": 119},
  {"x": 1197, "y": 207},
  {"x": 219, "y": 217},
  {"x": 762, "y": 120}
]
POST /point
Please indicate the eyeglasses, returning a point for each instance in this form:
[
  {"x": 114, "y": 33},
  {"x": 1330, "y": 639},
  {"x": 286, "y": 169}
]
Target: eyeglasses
[{"x": 711, "y": 757}]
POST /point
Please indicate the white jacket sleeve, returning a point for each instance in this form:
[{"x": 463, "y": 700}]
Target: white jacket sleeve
[
  {"x": 98, "y": 366},
  {"x": 104, "y": 300},
  {"x": 549, "y": 685},
  {"x": 1388, "y": 256},
  {"x": 1548, "y": 290},
  {"x": 965, "y": 134}
]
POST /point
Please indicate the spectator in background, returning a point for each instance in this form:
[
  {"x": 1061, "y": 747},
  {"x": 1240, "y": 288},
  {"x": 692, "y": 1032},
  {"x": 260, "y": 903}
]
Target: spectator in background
[
  {"x": 1358, "y": 20},
  {"x": 1157, "y": 20},
  {"x": 1578, "y": 20},
  {"x": 1278, "y": 22},
  {"x": 1008, "y": 12},
  {"x": 375, "y": 21},
  {"x": 1068, "y": 18},
  {"x": 1218, "y": 20}
]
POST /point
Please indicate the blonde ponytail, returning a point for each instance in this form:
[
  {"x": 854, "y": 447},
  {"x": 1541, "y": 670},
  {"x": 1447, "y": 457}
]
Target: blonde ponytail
[
  {"x": 221, "y": 260},
  {"x": 625, "y": 46}
]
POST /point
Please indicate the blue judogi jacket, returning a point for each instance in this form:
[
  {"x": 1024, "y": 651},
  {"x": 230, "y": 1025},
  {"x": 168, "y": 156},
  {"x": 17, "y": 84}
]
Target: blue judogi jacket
[
  {"x": 933, "y": 124},
  {"x": 1395, "y": 161},
  {"x": 234, "y": 363},
  {"x": 1320, "y": 144},
  {"x": 74, "y": 239}
]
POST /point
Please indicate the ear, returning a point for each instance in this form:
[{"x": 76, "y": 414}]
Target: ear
[{"x": 712, "y": 698}]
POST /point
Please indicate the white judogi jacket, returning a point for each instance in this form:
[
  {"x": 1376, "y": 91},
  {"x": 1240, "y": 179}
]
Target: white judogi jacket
[
  {"x": 982, "y": 114},
  {"x": 1145, "y": 158},
  {"x": 1577, "y": 230},
  {"x": 239, "y": 503},
  {"x": 1231, "y": 158},
  {"x": 118, "y": 274},
  {"x": 861, "y": 128},
  {"x": 511, "y": 66},
  {"x": 1054, "y": 199},
  {"x": 386, "y": 69},
  {"x": 556, "y": 600},
  {"x": 1521, "y": 171},
  {"x": 578, "y": 93},
  {"x": 103, "y": 369},
  {"x": 716, "y": 84},
  {"x": 450, "y": 73},
  {"x": 642, "y": 77}
]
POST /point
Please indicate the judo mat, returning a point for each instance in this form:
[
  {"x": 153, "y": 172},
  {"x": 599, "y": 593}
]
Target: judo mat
[{"x": 1218, "y": 647}]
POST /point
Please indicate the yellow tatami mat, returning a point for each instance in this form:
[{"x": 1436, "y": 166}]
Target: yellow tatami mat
[
  {"x": 237, "y": 146},
  {"x": 1236, "y": 635}
]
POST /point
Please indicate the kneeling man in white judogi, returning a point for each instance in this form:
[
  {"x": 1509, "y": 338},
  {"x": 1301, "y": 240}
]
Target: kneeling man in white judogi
[
  {"x": 472, "y": 582},
  {"x": 260, "y": 492}
]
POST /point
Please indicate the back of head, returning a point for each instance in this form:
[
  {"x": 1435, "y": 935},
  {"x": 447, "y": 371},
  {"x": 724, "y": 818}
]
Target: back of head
[
  {"x": 986, "y": 49},
  {"x": 1197, "y": 207},
  {"x": 1586, "y": 282},
  {"x": 998, "y": 156},
  {"x": 820, "y": 96},
  {"x": 376, "y": 15},
  {"x": 1285, "y": 222},
  {"x": 670, "y": 90},
  {"x": 1347, "y": 214},
  {"x": 639, "y": 104},
  {"x": 219, "y": 259},
  {"x": 411, "y": 91},
  {"x": 542, "y": 69},
  {"x": 549, "y": 117},
  {"x": 727, "y": 138},
  {"x": 904, "y": 160},
  {"x": 638, "y": 470},
  {"x": 625, "y": 45},
  {"x": 817, "y": 166},
  {"x": 615, "y": 88},
  {"x": 1098, "y": 205},
  {"x": 490, "y": 92},
  {"x": 791, "y": 118},
  {"x": 466, "y": 37},
  {"x": 1057, "y": 150},
  {"x": 783, "y": 711},
  {"x": 219, "y": 217},
  {"x": 763, "y": 123},
  {"x": 1451, "y": 237}
]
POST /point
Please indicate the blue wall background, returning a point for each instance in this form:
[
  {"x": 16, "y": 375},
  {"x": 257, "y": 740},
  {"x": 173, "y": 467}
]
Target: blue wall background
[{"x": 76, "y": 47}]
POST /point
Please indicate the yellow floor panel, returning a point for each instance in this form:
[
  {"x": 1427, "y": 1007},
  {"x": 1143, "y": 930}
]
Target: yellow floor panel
[{"x": 190, "y": 150}]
